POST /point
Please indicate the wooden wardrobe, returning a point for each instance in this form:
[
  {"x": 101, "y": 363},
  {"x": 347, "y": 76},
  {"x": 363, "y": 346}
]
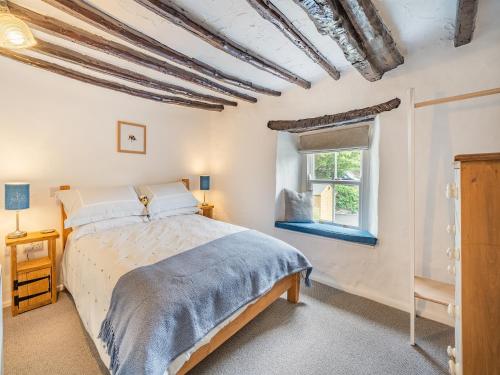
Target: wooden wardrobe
[{"x": 476, "y": 264}]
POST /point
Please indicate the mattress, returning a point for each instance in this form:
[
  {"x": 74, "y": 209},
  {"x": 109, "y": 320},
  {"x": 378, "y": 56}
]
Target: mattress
[{"x": 92, "y": 265}]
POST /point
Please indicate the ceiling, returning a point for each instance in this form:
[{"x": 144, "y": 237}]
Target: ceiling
[{"x": 415, "y": 25}]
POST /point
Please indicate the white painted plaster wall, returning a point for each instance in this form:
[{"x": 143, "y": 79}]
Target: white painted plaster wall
[
  {"x": 288, "y": 169},
  {"x": 244, "y": 163},
  {"x": 54, "y": 131}
]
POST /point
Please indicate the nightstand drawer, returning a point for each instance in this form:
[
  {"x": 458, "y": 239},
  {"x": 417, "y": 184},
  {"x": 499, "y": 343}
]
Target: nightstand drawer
[{"x": 34, "y": 284}]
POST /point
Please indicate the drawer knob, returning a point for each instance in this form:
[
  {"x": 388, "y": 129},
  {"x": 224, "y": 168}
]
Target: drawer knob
[
  {"x": 453, "y": 253},
  {"x": 449, "y": 253},
  {"x": 451, "y": 191},
  {"x": 451, "y": 352}
]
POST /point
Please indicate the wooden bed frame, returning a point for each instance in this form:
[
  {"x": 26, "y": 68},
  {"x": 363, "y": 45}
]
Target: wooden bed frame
[{"x": 290, "y": 285}]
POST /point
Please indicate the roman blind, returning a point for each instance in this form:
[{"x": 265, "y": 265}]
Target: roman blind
[{"x": 357, "y": 137}]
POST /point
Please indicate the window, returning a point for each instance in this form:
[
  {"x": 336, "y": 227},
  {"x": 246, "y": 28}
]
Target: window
[{"x": 337, "y": 181}]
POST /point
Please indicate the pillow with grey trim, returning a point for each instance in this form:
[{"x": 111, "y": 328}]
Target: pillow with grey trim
[{"x": 298, "y": 206}]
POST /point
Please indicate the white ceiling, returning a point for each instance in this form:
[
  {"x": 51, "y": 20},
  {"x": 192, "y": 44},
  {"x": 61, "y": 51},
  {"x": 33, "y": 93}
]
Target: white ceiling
[{"x": 416, "y": 25}]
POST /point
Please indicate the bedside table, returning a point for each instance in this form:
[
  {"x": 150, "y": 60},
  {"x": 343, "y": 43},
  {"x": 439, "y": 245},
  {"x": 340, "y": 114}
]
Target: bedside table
[
  {"x": 33, "y": 281},
  {"x": 207, "y": 211}
]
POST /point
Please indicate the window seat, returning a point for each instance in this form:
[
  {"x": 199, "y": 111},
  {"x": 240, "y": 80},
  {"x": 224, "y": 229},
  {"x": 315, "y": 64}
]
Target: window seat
[{"x": 331, "y": 231}]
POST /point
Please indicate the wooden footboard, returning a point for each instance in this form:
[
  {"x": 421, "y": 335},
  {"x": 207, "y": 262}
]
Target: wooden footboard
[{"x": 290, "y": 284}]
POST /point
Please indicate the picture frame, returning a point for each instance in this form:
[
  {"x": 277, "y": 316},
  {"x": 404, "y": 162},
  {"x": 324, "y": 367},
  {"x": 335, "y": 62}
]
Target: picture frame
[{"x": 131, "y": 138}]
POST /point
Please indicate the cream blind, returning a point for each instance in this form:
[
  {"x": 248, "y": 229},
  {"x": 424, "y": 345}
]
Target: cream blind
[{"x": 357, "y": 137}]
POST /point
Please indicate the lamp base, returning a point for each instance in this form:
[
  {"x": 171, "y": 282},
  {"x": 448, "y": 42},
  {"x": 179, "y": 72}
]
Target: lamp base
[
  {"x": 204, "y": 204},
  {"x": 17, "y": 234}
]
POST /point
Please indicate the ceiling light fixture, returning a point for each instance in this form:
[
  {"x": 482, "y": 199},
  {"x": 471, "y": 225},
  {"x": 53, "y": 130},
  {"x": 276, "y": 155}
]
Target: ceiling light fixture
[{"x": 14, "y": 33}]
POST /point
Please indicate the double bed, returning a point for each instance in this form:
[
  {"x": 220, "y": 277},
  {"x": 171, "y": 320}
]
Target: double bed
[{"x": 96, "y": 267}]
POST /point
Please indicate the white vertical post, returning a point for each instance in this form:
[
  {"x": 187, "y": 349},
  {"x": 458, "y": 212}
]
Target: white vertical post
[{"x": 411, "y": 208}]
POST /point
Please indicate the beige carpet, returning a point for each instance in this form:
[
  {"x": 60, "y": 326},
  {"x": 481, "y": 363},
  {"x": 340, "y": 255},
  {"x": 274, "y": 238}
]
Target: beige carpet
[{"x": 329, "y": 332}]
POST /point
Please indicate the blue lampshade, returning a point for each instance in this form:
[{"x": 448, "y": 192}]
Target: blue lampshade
[
  {"x": 204, "y": 182},
  {"x": 17, "y": 196}
]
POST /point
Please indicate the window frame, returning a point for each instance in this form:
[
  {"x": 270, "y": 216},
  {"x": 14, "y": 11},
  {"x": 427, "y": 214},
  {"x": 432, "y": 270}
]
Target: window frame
[{"x": 363, "y": 186}]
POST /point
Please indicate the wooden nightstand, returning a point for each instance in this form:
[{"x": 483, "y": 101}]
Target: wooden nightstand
[
  {"x": 207, "y": 211},
  {"x": 33, "y": 281}
]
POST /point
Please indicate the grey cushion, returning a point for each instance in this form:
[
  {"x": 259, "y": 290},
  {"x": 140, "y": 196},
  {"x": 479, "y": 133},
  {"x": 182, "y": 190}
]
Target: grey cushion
[{"x": 298, "y": 206}]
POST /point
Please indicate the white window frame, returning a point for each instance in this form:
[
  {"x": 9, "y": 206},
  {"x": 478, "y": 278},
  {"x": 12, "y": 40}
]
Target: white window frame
[{"x": 363, "y": 184}]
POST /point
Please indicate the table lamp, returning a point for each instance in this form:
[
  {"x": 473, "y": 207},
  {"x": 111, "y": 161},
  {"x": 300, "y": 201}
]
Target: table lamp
[
  {"x": 204, "y": 185},
  {"x": 17, "y": 197}
]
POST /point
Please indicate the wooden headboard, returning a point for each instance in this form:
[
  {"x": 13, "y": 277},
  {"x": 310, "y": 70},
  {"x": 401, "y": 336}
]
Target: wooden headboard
[{"x": 67, "y": 231}]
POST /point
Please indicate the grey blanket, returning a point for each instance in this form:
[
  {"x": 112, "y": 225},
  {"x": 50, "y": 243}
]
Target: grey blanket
[{"x": 159, "y": 311}]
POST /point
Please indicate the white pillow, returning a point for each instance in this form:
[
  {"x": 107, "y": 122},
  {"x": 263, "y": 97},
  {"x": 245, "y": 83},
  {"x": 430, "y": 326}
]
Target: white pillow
[
  {"x": 167, "y": 197},
  {"x": 100, "y": 226},
  {"x": 88, "y": 205},
  {"x": 178, "y": 211}
]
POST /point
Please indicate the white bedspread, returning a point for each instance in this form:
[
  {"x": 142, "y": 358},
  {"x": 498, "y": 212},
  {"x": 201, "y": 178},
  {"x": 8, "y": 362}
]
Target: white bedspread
[{"x": 93, "y": 264}]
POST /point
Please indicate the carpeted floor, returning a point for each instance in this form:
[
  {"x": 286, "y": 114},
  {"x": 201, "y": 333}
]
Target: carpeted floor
[{"x": 329, "y": 332}]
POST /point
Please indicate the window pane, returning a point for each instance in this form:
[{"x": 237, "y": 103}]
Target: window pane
[
  {"x": 322, "y": 202},
  {"x": 347, "y": 205},
  {"x": 349, "y": 165},
  {"x": 323, "y": 166},
  {"x": 346, "y": 163}
]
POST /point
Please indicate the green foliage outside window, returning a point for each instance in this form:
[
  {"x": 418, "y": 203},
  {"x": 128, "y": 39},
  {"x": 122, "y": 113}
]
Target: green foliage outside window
[
  {"x": 347, "y": 161},
  {"x": 348, "y": 167},
  {"x": 324, "y": 166},
  {"x": 347, "y": 198}
]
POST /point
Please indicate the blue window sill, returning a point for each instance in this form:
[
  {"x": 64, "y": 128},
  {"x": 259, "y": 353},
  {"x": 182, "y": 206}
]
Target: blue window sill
[{"x": 330, "y": 231}]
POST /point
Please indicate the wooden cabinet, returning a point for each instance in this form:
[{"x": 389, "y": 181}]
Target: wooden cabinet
[
  {"x": 477, "y": 266},
  {"x": 33, "y": 282}
]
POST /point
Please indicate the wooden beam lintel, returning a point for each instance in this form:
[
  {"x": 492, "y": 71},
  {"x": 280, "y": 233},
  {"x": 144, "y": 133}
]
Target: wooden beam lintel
[{"x": 331, "y": 121}]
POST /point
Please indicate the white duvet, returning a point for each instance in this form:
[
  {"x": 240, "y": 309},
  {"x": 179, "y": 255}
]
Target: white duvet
[{"x": 93, "y": 264}]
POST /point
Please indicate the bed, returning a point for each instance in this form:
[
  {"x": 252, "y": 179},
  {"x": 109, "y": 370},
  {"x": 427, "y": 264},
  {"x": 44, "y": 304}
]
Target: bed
[{"x": 93, "y": 265}]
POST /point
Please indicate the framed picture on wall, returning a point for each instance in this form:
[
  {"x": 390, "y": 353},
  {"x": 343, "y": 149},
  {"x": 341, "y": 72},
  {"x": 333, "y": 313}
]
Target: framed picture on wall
[{"x": 131, "y": 138}]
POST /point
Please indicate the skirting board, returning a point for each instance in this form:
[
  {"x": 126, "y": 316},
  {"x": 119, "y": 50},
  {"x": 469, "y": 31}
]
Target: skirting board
[
  {"x": 426, "y": 312},
  {"x": 7, "y": 303}
]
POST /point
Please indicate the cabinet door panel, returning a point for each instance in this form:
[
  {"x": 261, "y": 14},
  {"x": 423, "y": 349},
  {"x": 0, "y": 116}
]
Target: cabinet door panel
[{"x": 480, "y": 257}]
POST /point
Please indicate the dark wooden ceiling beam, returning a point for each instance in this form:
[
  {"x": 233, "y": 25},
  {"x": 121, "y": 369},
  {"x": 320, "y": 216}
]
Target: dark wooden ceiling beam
[
  {"x": 331, "y": 121},
  {"x": 58, "y": 69},
  {"x": 376, "y": 38},
  {"x": 89, "y": 62},
  {"x": 330, "y": 19},
  {"x": 271, "y": 13},
  {"x": 85, "y": 11},
  {"x": 63, "y": 30},
  {"x": 359, "y": 31},
  {"x": 465, "y": 21},
  {"x": 179, "y": 17}
]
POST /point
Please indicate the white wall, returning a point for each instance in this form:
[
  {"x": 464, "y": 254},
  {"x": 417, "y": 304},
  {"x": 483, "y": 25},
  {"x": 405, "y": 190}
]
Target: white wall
[
  {"x": 244, "y": 168},
  {"x": 54, "y": 131},
  {"x": 288, "y": 169}
]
